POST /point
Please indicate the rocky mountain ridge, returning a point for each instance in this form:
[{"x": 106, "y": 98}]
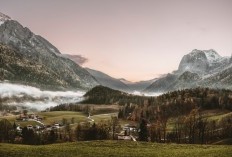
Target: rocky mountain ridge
[{"x": 199, "y": 68}]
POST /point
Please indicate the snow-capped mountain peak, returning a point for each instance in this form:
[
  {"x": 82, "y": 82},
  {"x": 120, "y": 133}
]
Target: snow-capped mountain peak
[
  {"x": 3, "y": 18},
  {"x": 199, "y": 68},
  {"x": 196, "y": 61},
  {"x": 212, "y": 55}
]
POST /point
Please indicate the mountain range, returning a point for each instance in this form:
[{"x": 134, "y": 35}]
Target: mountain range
[
  {"x": 108, "y": 81},
  {"x": 199, "y": 68},
  {"x": 30, "y": 59},
  {"x": 119, "y": 84}
]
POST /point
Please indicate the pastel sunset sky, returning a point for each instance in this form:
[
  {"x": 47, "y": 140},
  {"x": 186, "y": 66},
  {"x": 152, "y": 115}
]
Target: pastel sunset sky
[{"x": 131, "y": 39}]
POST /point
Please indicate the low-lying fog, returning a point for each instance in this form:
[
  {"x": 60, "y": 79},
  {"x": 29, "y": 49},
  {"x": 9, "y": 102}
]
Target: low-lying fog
[
  {"x": 34, "y": 98},
  {"x": 146, "y": 94},
  {"x": 31, "y": 97}
]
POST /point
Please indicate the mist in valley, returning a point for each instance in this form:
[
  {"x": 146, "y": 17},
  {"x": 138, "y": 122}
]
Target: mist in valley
[{"x": 34, "y": 98}]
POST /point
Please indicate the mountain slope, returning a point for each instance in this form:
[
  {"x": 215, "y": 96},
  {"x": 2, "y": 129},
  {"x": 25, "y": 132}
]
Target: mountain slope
[
  {"x": 108, "y": 81},
  {"x": 119, "y": 84},
  {"x": 138, "y": 86},
  {"x": 52, "y": 68},
  {"x": 162, "y": 84},
  {"x": 221, "y": 79}
]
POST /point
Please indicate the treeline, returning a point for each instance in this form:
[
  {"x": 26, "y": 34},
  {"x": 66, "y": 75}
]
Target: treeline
[
  {"x": 89, "y": 132},
  {"x": 71, "y": 107},
  {"x": 4, "y": 106},
  {"x": 7, "y": 108},
  {"x": 177, "y": 103},
  {"x": 84, "y": 108}
]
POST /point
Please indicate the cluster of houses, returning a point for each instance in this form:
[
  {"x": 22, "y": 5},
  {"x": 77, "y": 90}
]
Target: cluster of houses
[
  {"x": 39, "y": 128},
  {"x": 128, "y": 133},
  {"x": 36, "y": 127},
  {"x": 26, "y": 117}
]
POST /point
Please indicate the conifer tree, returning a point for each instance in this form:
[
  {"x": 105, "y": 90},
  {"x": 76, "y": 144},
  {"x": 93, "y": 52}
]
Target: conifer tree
[{"x": 143, "y": 131}]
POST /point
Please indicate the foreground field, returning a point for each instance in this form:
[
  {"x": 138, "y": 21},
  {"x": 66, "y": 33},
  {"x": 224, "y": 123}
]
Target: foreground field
[{"x": 114, "y": 148}]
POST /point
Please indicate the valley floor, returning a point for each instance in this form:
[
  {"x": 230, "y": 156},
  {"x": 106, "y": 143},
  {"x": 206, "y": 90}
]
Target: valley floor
[{"x": 115, "y": 148}]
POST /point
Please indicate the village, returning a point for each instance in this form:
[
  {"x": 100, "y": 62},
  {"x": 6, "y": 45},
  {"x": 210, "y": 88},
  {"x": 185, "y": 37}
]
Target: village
[{"x": 39, "y": 124}]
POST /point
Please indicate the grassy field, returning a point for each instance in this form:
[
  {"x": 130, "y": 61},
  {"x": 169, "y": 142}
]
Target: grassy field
[
  {"x": 215, "y": 115},
  {"x": 100, "y": 114},
  {"x": 115, "y": 149},
  {"x": 50, "y": 118},
  {"x": 11, "y": 118},
  {"x": 57, "y": 116}
]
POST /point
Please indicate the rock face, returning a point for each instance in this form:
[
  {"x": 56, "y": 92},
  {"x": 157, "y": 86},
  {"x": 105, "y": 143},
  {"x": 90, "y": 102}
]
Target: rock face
[
  {"x": 189, "y": 77},
  {"x": 204, "y": 68},
  {"x": 196, "y": 61},
  {"x": 39, "y": 62}
]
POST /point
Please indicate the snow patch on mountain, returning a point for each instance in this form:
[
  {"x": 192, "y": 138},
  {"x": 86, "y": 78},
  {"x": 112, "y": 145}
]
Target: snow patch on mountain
[
  {"x": 148, "y": 94},
  {"x": 196, "y": 62},
  {"x": 212, "y": 56},
  {"x": 3, "y": 18}
]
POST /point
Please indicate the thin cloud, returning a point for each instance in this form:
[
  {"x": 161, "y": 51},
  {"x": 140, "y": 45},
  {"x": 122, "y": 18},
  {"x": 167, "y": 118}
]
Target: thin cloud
[{"x": 79, "y": 59}]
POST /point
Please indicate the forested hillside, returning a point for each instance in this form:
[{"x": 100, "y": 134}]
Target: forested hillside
[
  {"x": 105, "y": 95},
  {"x": 179, "y": 103}
]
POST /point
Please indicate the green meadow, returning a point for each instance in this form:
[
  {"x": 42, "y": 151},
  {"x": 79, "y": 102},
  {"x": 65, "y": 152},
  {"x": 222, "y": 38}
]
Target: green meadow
[{"x": 115, "y": 149}]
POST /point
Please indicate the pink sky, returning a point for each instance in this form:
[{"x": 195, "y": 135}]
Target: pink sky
[{"x": 131, "y": 39}]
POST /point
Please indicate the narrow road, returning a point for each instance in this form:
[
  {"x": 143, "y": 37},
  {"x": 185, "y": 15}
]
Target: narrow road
[{"x": 89, "y": 117}]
